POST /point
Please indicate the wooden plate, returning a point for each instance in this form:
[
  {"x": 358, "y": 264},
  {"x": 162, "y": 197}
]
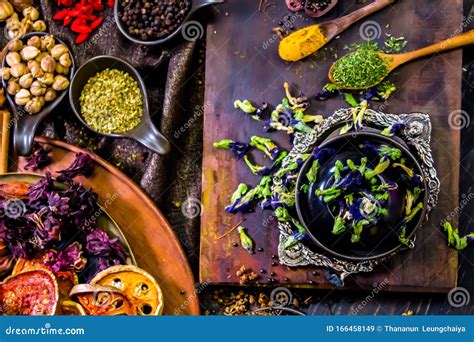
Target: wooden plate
[{"x": 149, "y": 234}]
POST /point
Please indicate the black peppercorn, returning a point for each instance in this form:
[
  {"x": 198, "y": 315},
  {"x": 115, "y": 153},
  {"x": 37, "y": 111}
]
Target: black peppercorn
[{"x": 154, "y": 19}]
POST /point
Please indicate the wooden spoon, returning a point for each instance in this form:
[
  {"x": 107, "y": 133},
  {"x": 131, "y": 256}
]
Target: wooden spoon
[
  {"x": 329, "y": 29},
  {"x": 395, "y": 60}
]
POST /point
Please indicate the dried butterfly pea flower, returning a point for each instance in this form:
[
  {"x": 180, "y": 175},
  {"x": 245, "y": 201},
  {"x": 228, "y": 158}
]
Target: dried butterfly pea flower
[
  {"x": 245, "y": 240},
  {"x": 238, "y": 149},
  {"x": 266, "y": 146}
]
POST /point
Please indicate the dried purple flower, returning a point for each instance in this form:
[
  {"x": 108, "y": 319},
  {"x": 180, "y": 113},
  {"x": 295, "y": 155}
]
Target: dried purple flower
[
  {"x": 83, "y": 165},
  {"x": 99, "y": 244},
  {"x": 69, "y": 259},
  {"x": 39, "y": 159},
  {"x": 39, "y": 191}
]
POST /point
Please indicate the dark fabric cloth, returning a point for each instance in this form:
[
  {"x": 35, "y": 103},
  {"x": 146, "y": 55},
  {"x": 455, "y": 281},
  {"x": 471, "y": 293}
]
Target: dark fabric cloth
[{"x": 174, "y": 78}]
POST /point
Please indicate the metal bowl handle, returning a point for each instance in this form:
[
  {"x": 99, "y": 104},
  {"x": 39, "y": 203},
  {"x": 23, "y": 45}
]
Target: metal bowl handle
[
  {"x": 151, "y": 137},
  {"x": 24, "y": 130}
]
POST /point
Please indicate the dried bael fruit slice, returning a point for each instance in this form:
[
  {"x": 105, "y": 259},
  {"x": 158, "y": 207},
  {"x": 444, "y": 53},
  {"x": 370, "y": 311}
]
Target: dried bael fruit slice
[
  {"x": 14, "y": 190},
  {"x": 29, "y": 293},
  {"x": 70, "y": 308},
  {"x": 66, "y": 279},
  {"x": 25, "y": 265},
  {"x": 139, "y": 286},
  {"x": 102, "y": 300}
]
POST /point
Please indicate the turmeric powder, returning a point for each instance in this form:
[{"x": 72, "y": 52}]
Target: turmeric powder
[{"x": 302, "y": 43}]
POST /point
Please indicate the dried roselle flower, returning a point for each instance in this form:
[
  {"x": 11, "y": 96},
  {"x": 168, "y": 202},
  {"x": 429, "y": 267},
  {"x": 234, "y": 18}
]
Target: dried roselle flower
[
  {"x": 83, "y": 165},
  {"x": 39, "y": 159},
  {"x": 69, "y": 259},
  {"x": 39, "y": 191}
]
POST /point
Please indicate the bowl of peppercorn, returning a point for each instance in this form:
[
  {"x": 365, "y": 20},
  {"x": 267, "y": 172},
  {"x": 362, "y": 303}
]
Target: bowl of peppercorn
[{"x": 154, "y": 22}]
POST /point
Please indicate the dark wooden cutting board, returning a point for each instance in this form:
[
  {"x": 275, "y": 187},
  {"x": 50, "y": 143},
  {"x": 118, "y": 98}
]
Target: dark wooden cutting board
[{"x": 242, "y": 63}]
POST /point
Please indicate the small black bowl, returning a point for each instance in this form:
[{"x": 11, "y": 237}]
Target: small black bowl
[
  {"x": 146, "y": 132},
  {"x": 194, "y": 30},
  {"x": 25, "y": 125},
  {"x": 376, "y": 241}
]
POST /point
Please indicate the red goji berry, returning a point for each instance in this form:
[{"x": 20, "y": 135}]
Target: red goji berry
[
  {"x": 96, "y": 23},
  {"x": 61, "y": 14},
  {"x": 111, "y": 3},
  {"x": 79, "y": 26},
  {"x": 97, "y": 6},
  {"x": 81, "y": 38},
  {"x": 67, "y": 21}
]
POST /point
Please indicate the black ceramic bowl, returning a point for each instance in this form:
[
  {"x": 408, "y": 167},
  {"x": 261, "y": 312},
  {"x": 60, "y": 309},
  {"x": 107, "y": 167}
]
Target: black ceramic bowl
[
  {"x": 378, "y": 240},
  {"x": 25, "y": 124},
  {"x": 146, "y": 132},
  {"x": 191, "y": 30}
]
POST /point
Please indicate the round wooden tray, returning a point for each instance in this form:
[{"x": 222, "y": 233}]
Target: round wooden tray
[{"x": 151, "y": 238}]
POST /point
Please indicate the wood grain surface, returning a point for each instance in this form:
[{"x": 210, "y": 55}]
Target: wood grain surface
[
  {"x": 242, "y": 63},
  {"x": 152, "y": 240}
]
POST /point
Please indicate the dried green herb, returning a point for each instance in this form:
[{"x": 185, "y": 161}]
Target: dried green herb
[
  {"x": 395, "y": 44},
  {"x": 111, "y": 102},
  {"x": 360, "y": 69}
]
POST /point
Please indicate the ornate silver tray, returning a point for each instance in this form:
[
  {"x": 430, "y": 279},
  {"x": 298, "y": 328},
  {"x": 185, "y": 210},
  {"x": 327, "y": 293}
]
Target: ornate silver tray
[{"x": 417, "y": 135}]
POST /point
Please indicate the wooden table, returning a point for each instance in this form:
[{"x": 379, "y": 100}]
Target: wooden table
[{"x": 242, "y": 63}]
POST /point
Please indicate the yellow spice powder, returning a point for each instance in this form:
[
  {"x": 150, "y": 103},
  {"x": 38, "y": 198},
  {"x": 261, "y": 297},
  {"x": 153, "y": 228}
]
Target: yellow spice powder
[{"x": 301, "y": 43}]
